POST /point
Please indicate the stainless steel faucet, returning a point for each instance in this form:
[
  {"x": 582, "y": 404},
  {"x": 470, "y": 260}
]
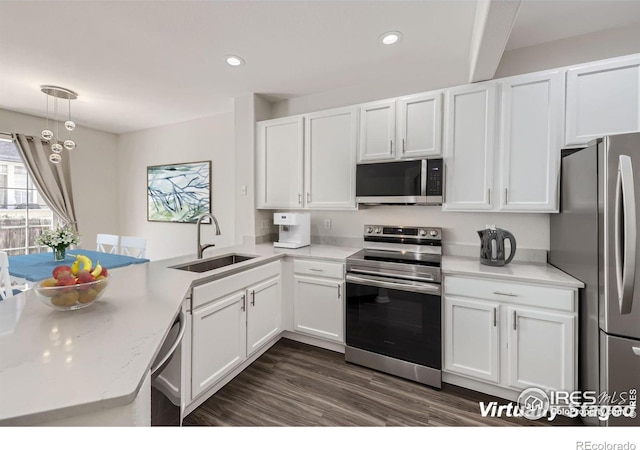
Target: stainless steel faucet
[{"x": 202, "y": 248}]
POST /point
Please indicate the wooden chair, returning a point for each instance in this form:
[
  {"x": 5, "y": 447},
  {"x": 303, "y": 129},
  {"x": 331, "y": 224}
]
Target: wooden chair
[
  {"x": 6, "y": 290},
  {"x": 112, "y": 240},
  {"x": 133, "y": 246}
]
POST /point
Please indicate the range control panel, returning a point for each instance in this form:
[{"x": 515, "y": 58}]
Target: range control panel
[{"x": 400, "y": 232}]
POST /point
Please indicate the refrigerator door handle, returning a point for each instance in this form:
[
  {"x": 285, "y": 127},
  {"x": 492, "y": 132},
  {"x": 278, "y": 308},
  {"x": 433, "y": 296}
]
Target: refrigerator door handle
[{"x": 625, "y": 234}]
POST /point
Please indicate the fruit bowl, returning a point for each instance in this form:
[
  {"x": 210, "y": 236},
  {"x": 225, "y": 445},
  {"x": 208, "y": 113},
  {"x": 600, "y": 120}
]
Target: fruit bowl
[
  {"x": 73, "y": 287},
  {"x": 75, "y": 296}
]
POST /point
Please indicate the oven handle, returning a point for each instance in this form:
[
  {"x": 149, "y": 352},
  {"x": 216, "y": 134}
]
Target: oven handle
[
  {"x": 426, "y": 288},
  {"x": 422, "y": 277}
]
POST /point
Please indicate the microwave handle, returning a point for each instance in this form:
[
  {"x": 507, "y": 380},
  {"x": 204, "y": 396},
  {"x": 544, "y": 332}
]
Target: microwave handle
[{"x": 423, "y": 178}]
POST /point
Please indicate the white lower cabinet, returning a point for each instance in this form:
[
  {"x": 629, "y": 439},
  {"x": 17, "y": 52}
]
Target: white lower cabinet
[
  {"x": 318, "y": 306},
  {"x": 218, "y": 340},
  {"x": 504, "y": 337},
  {"x": 540, "y": 349},
  {"x": 472, "y": 338},
  {"x": 232, "y": 318},
  {"x": 264, "y": 313}
]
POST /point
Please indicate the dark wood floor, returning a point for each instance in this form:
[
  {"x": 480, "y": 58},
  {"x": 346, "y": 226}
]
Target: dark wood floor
[{"x": 295, "y": 384}]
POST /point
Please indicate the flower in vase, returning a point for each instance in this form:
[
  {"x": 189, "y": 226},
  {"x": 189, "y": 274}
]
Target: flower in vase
[{"x": 59, "y": 239}]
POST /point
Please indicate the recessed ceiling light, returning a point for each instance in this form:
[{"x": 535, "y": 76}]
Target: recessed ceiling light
[
  {"x": 234, "y": 60},
  {"x": 391, "y": 37}
]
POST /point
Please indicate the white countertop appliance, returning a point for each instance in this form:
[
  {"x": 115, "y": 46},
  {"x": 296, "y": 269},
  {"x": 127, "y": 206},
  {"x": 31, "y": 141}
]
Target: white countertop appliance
[{"x": 295, "y": 229}]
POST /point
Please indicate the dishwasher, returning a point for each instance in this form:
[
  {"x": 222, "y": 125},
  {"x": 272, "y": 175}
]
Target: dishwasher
[{"x": 166, "y": 401}]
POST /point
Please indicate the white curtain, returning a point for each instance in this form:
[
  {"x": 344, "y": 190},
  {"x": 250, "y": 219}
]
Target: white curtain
[{"x": 52, "y": 180}]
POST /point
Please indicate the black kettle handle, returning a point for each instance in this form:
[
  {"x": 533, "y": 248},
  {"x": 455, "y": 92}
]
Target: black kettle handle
[{"x": 512, "y": 240}]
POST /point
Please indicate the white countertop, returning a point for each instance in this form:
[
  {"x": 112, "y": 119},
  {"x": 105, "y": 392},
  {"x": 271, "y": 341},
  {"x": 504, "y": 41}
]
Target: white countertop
[
  {"x": 524, "y": 272},
  {"x": 56, "y": 364}
]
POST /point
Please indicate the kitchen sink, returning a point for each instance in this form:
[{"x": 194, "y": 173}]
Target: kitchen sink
[{"x": 213, "y": 263}]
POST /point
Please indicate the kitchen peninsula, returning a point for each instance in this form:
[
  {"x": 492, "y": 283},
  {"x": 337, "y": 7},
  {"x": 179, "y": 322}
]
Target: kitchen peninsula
[{"x": 91, "y": 366}]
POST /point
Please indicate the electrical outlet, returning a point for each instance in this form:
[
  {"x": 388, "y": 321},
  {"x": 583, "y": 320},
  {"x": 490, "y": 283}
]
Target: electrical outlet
[
  {"x": 327, "y": 224},
  {"x": 243, "y": 190},
  {"x": 490, "y": 227}
]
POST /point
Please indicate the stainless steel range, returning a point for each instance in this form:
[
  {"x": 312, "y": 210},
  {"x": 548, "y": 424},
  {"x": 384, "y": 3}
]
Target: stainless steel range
[{"x": 393, "y": 312}]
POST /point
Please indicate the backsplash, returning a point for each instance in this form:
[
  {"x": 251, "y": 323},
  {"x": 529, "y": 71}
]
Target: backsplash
[{"x": 459, "y": 229}]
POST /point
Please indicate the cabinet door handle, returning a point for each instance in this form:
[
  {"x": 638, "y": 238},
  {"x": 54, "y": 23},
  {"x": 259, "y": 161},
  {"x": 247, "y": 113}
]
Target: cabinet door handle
[
  {"x": 391, "y": 147},
  {"x": 402, "y": 145},
  {"x": 339, "y": 291},
  {"x": 308, "y": 197},
  {"x": 316, "y": 270},
  {"x": 253, "y": 298},
  {"x": 515, "y": 321},
  {"x": 489, "y": 195},
  {"x": 506, "y": 196},
  {"x": 244, "y": 302},
  {"x": 299, "y": 198},
  {"x": 508, "y": 294},
  {"x": 495, "y": 317},
  {"x": 636, "y": 350}
]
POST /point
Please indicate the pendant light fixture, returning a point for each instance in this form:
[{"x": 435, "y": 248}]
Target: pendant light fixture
[{"x": 47, "y": 134}]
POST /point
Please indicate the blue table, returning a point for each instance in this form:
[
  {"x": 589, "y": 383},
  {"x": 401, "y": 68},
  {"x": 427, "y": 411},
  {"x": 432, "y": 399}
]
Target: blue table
[{"x": 38, "y": 266}]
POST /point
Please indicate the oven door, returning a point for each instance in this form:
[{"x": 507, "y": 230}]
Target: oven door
[{"x": 396, "y": 318}]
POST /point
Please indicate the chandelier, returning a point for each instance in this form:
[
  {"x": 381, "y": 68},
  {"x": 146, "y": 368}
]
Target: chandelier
[{"x": 47, "y": 134}]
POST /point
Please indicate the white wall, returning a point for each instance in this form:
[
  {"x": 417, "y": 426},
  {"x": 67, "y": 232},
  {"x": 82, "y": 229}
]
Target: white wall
[
  {"x": 406, "y": 82},
  {"x": 247, "y": 109},
  {"x": 210, "y": 138},
  {"x": 530, "y": 230},
  {"x": 575, "y": 50},
  {"x": 93, "y": 173}
]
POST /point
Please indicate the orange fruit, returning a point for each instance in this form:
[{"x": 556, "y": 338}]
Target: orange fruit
[{"x": 87, "y": 296}]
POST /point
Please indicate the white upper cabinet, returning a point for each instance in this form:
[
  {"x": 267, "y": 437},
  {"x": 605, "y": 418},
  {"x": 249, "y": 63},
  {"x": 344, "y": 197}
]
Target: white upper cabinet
[
  {"x": 602, "y": 99},
  {"x": 330, "y": 158},
  {"x": 531, "y": 136},
  {"x": 377, "y": 130},
  {"x": 404, "y": 128},
  {"x": 469, "y": 135},
  {"x": 419, "y": 125},
  {"x": 279, "y": 163},
  {"x": 307, "y": 161}
]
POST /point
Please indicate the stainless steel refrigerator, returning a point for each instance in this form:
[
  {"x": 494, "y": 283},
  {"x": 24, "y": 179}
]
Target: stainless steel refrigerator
[{"x": 595, "y": 239}]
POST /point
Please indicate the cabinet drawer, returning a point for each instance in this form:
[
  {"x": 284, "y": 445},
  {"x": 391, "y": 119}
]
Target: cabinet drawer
[
  {"x": 225, "y": 286},
  {"x": 516, "y": 293},
  {"x": 319, "y": 268}
]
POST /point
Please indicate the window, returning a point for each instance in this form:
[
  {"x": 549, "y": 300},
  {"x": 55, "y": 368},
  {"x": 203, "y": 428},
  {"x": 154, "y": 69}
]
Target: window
[{"x": 23, "y": 213}]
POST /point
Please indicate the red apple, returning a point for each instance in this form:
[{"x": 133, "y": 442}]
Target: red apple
[
  {"x": 66, "y": 280},
  {"x": 60, "y": 269},
  {"x": 85, "y": 276},
  {"x": 104, "y": 272}
]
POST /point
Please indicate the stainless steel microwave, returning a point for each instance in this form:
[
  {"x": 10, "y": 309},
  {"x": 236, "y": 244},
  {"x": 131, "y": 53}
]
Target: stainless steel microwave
[{"x": 419, "y": 182}]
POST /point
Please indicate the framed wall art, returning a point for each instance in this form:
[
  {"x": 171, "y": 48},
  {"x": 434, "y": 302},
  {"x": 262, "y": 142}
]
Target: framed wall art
[{"x": 178, "y": 192}]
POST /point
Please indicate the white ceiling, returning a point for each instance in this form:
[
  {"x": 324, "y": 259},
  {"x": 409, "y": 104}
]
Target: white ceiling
[
  {"x": 144, "y": 64},
  {"x": 542, "y": 21}
]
